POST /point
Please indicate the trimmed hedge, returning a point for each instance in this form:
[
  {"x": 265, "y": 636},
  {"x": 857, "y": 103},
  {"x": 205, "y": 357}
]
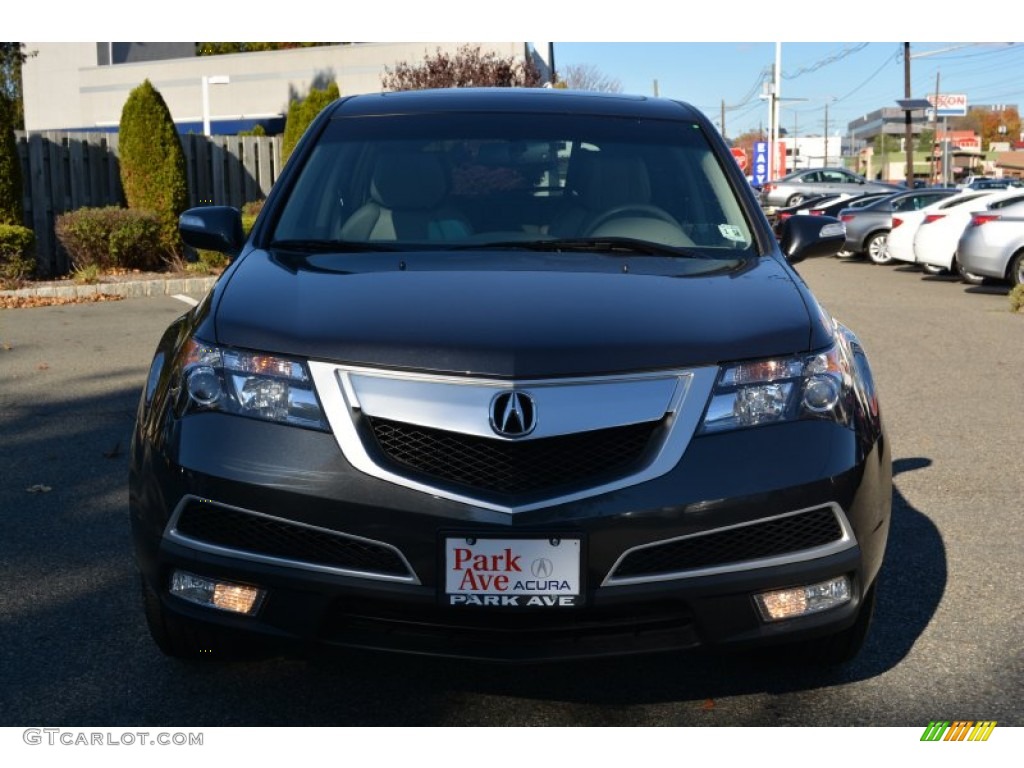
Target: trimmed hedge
[
  {"x": 301, "y": 113},
  {"x": 112, "y": 238},
  {"x": 11, "y": 190},
  {"x": 153, "y": 171},
  {"x": 17, "y": 253}
]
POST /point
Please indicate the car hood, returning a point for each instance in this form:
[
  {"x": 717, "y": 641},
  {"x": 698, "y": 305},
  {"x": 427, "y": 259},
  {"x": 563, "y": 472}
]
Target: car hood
[{"x": 515, "y": 315}]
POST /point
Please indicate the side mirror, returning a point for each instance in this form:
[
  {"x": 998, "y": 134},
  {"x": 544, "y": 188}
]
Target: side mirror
[
  {"x": 805, "y": 237},
  {"x": 213, "y": 228}
]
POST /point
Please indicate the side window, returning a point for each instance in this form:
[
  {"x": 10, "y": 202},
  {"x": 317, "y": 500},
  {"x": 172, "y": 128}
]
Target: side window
[
  {"x": 812, "y": 178},
  {"x": 1005, "y": 202}
]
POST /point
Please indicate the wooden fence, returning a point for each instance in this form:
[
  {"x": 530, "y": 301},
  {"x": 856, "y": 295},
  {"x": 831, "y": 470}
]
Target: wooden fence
[{"x": 64, "y": 171}]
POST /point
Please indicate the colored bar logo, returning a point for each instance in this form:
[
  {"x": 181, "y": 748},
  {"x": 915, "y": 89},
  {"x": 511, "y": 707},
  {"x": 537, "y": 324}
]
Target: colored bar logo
[{"x": 958, "y": 730}]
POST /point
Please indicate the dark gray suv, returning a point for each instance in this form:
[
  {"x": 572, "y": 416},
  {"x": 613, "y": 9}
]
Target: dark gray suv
[{"x": 509, "y": 374}]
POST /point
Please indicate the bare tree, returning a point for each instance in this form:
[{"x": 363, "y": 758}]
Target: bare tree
[
  {"x": 587, "y": 77},
  {"x": 469, "y": 67}
]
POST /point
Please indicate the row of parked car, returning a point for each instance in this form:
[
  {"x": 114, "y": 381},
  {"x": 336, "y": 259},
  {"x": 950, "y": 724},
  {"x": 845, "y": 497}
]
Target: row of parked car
[{"x": 975, "y": 233}]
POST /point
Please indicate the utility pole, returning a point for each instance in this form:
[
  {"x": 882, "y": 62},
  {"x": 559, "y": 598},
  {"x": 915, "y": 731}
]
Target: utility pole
[
  {"x": 796, "y": 140},
  {"x": 908, "y": 128},
  {"x": 655, "y": 87},
  {"x": 723, "y": 118},
  {"x": 935, "y": 133},
  {"x": 826, "y": 134},
  {"x": 773, "y": 142}
]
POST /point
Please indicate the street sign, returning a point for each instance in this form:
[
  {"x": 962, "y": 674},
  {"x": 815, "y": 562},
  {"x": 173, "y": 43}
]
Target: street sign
[
  {"x": 760, "y": 162},
  {"x": 741, "y": 157}
]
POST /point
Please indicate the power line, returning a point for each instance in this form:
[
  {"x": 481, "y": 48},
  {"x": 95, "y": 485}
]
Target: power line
[
  {"x": 826, "y": 61},
  {"x": 895, "y": 55}
]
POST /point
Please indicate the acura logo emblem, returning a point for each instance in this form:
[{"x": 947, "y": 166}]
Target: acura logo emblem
[
  {"x": 541, "y": 568},
  {"x": 513, "y": 414}
]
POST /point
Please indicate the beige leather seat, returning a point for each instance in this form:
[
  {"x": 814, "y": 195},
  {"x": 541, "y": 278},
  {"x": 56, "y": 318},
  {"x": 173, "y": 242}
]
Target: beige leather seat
[{"x": 407, "y": 203}]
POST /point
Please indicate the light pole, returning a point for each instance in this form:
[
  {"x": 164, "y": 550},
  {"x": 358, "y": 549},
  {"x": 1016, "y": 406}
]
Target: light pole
[{"x": 209, "y": 80}]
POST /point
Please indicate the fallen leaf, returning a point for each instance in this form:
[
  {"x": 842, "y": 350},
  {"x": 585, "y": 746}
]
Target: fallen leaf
[
  {"x": 39, "y": 488},
  {"x": 43, "y": 367},
  {"x": 708, "y": 705},
  {"x": 23, "y": 302}
]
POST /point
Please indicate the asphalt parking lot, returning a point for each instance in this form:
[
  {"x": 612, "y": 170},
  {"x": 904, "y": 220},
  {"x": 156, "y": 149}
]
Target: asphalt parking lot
[{"x": 949, "y": 361}]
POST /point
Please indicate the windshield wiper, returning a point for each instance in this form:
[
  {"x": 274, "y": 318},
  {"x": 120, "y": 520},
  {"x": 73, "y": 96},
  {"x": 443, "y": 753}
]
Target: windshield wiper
[
  {"x": 331, "y": 246},
  {"x": 608, "y": 245}
]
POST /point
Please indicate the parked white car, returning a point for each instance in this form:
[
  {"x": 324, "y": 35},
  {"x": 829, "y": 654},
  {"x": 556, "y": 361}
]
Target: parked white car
[
  {"x": 992, "y": 244},
  {"x": 935, "y": 243},
  {"x": 900, "y": 244}
]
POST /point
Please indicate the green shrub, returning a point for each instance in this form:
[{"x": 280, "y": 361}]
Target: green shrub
[
  {"x": 17, "y": 253},
  {"x": 112, "y": 238},
  {"x": 252, "y": 209},
  {"x": 11, "y": 190},
  {"x": 153, "y": 171},
  {"x": 1017, "y": 299},
  {"x": 301, "y": 113},
  {"x": 209, "y": 263}
]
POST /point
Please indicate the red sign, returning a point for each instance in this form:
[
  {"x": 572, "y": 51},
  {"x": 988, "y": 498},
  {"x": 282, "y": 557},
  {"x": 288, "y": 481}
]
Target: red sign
[{"x": 741, "y": 157}]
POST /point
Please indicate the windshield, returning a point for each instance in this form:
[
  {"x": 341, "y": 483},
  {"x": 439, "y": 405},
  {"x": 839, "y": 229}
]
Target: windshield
[{"x": 473, "y": 179}]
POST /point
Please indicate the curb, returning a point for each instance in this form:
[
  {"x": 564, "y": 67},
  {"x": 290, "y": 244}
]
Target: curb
[{"x": 129, "y": 289}]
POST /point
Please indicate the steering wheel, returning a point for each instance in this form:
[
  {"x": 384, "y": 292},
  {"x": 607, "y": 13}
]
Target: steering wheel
[{"x": 643, "y": 211}]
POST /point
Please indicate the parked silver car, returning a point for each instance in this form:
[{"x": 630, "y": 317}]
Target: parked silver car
[
  {"x": 867, "y": 227},
  {"x": 992, "y": 244},
  {"x": 796, "y": 187}
]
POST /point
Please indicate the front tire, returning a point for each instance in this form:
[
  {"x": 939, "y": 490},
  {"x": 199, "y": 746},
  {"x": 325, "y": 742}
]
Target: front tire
[{"x": 794, "y": 200}]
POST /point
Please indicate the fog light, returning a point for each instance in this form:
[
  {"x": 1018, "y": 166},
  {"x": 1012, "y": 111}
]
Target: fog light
[
  {"x": 800, "y": 601},
  {"x": 238, "y": 598}
]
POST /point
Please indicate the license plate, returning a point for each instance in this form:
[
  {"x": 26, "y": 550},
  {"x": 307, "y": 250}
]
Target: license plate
[{"x": 513, "y": 573}]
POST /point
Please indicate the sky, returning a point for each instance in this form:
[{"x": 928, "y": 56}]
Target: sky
[{"x": 850, "y": 78}]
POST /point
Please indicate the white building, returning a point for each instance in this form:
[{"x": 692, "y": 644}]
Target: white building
[
  {"x": 803, "y": 152},
  {"x": 73, "y": 86}
]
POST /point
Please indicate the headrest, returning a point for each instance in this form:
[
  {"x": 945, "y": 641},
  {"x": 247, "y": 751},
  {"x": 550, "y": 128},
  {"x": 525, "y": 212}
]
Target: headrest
[
  {"x": 613, "y": 181},
  {"x": 408, "y": 181}
]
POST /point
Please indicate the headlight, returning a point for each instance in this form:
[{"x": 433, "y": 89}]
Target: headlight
[
  {"x": 249, "y": 384},
  {"x": 784, "y": 389}
]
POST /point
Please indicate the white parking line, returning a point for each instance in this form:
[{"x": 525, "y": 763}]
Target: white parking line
[{"x": 187, "y": 299}]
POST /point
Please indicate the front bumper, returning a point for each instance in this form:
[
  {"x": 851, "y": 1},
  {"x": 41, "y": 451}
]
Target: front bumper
[{"x": 298, "y": 478}]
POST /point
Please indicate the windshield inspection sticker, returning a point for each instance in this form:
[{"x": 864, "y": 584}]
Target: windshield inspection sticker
[{"x": 731, "y": 232}]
